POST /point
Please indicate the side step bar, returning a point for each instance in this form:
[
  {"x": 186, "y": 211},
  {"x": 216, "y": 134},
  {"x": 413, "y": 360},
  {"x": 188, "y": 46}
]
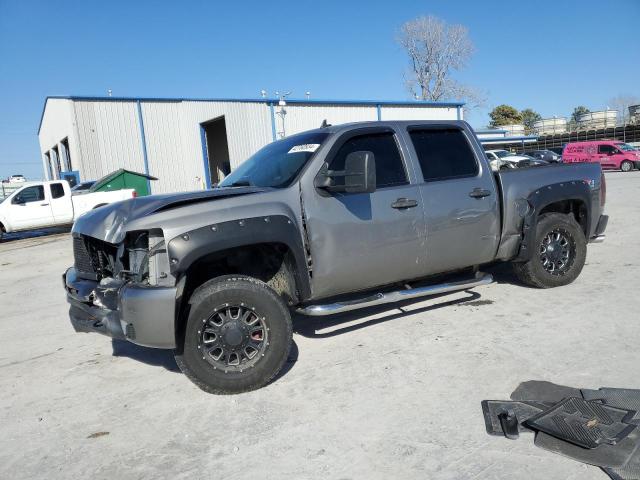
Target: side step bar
[{"x": 396, "y": 296}]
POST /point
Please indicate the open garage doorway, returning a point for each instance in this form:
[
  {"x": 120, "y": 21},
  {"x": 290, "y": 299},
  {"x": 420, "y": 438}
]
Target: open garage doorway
[{"x": 216, "y": 148}]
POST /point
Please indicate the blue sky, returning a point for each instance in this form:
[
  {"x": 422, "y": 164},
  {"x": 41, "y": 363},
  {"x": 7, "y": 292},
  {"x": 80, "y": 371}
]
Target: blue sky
[{"x": 547, "y": 55}]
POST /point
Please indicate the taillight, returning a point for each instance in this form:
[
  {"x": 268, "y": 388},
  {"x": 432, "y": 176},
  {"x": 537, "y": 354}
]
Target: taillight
[
  {"x": 134, "y": 194},
  {"x": 603, "y": 190}
]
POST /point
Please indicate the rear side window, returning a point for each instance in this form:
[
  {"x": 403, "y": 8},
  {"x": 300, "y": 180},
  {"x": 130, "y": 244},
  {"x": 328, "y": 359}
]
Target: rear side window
[
  {"x": 389, "y": 167},
  {"x": 444, "y": 153},
  {"x": 57, "y": 190}
]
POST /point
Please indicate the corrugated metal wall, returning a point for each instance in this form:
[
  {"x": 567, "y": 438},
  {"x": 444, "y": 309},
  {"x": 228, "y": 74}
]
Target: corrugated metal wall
[
  {"x": 105, "y": 135},
  {"x": 168, "y": 148},
  {"x": 109, "y": 137},
  {"x": 248, "y": 126},
  {"x": 305, "y": 117},
  {"x": 58, "y": 124}
]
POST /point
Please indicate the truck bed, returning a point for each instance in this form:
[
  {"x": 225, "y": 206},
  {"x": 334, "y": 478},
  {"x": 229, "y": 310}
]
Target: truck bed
[{"x": 518, "y": 185}]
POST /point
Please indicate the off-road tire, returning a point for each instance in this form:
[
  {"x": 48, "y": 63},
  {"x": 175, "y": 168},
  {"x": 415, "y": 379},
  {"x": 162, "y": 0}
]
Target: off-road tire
[
  {"x": 533, "y": 273},
  {"x": 274, "y": 313},
  {"x": 626, "y": 166}
]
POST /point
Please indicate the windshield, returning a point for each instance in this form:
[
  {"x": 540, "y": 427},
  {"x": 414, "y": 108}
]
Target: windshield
[
  {"x": 277, "y": 164},
  {"x": 625, "y": 146},
  {"x": 83, "y": 186},
  {"x": 11, "y": 194}
]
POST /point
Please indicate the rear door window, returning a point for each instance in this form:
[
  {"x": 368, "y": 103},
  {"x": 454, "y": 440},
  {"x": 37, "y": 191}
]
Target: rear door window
[
  {"x": 57, "y": 190},
  {"x": 443, "y": 153}
]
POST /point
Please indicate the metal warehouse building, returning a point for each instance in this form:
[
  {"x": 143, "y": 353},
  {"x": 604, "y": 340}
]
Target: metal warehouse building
[{"x": 191, "y": 143}]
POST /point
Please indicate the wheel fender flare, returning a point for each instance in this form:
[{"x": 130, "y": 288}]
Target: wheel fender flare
[
  {"x": 566, "y": 191},
  {"x": 188, "y": 247}
]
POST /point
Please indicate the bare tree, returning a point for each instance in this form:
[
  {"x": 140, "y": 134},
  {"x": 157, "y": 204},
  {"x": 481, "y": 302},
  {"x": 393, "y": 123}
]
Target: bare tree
[
  {"x": 435, "y": 50},
  {"x": 621, "y": 103}
]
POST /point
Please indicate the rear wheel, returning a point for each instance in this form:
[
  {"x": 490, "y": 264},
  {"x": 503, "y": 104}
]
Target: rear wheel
[
  {"x": 559, "y": 255},
  {"x": 237, "y": 336},
  {"x": 626, "y": 166}
]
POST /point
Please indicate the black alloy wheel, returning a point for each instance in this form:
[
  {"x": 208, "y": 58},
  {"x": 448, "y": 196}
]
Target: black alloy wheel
[
  {"x": 557, "y": 251},
  {"x": 233, "y": 338}
]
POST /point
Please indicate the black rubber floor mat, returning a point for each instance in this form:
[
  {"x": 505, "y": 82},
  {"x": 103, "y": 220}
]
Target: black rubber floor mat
[
  {"x": 493, "y": 410},
  {"x": 584, "y": 423},
  {"x": 630, "y": 471},
  {"x": 617, "y": 397},
  {"x": 624, "y": 473},
  {"x": 541, "y": 391},
  {"x": 612, "y": 456}
]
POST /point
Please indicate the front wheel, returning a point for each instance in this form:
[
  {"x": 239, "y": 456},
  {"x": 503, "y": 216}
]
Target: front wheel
[
  {"x": 626, "y": 166},
  {"x": 237, "y": 336},
  {"x": 560, "y": 250}
]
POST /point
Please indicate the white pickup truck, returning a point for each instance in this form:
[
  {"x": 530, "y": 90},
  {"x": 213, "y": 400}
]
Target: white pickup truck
[{"x": 50, "y": 204}]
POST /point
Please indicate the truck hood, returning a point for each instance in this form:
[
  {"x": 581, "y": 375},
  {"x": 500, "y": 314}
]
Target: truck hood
[{"x": 109, "y": 223}]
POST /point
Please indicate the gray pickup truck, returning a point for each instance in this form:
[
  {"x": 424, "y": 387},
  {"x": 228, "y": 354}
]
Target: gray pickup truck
[{"x": 325, "y": 221}]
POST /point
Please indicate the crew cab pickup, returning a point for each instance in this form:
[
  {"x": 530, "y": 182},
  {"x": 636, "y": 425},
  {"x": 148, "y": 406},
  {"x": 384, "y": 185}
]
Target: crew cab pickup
[
  {"x": 48, "y": 204},
  {"x": 322, "y": 222}
]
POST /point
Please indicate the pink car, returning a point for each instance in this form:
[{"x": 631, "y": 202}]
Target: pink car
[{"x": 611, "y": 154}]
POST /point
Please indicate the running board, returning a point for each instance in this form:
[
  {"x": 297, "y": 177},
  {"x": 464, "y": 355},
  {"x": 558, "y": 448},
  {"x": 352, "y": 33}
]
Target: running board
[{"x": 393, "y": 297}]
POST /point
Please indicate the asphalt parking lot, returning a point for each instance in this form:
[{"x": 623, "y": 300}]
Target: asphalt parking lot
[{"x": 388, "y": 393}]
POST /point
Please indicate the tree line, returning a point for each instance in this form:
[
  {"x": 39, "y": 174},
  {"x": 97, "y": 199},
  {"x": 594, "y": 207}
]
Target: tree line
[{"x": 508, "y": 115}]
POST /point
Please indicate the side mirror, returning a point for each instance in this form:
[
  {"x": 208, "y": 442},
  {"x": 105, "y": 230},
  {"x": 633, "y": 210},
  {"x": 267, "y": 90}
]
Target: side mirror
[{"x": 358, "y": 176}]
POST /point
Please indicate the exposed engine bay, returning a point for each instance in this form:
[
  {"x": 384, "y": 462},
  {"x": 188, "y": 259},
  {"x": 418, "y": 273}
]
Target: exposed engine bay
[{"x": 141, "y": 258}]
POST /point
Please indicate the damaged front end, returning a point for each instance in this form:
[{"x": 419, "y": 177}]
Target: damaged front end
[{"x": 123, "y": 291}]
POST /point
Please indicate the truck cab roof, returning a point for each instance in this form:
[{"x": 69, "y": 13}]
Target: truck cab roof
[{"x": 389, "y": 123}]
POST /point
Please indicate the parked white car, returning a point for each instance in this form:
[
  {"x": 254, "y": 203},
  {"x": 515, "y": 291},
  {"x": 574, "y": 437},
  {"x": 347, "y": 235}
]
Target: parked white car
[
  {"x": 504, "y": 158},
  {"x": 17, "y": 179},
  {"x": 49, "y": 204}
]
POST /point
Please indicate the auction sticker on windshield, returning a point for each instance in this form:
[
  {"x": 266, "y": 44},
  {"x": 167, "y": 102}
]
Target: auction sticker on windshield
[{"x": 307, "y": 147}]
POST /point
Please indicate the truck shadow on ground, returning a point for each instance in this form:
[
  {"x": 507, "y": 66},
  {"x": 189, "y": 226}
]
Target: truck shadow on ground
[
  {"x": 311, "y": 327},
  {"x": 43, "y": 232},
  {"x": 503, "y": 273},
  {"x": 164, "y": 358},
  {"x": 151, "y": 356}
]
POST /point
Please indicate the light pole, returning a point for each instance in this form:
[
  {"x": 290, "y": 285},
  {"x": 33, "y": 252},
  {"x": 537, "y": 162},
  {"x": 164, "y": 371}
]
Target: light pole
[{"x": 282, "y": 112}]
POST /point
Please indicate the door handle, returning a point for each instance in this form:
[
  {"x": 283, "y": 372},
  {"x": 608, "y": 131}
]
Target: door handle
[
  {"x": 479, "y": 193},
  {"x": 402, "y": 203},
  {"x": 44, "y": 204}
]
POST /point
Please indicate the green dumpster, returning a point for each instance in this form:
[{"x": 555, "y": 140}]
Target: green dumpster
[{"x": 123, "y": 179}]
